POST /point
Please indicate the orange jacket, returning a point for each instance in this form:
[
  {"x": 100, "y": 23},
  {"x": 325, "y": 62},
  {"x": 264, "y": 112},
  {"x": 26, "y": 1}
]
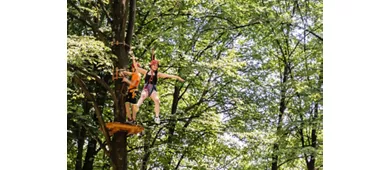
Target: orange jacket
[{"x": 135, "y": 79}]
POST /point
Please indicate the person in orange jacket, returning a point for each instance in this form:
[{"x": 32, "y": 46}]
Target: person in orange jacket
[{"x": 132, "y": 92}]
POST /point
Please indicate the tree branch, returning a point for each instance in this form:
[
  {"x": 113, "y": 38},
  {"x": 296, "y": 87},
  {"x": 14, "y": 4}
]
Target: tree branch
[
  {"x": 105, "y": 11},
  {"x": 181, "y": 158},
  {"x": 131, "y": 23},
  {"x": 96, "y": 31},
  {"x": 311, "y": 32},
  {"x": 186, "y": 149},
  {"x": 185, "y": 90},
  {"x": 219, "y": 17},
  {"x": 304, "y": 21},
  {"x": 98, "y": 113},
  {"x": 99, "y": 80},
  {"x": 288, "y": 160},
  {"x": 102, "y": 145},
  {"x": 143, "y": 21},
  {"x": 87, "y": 22},
  {"x": 210, "y": 45}
]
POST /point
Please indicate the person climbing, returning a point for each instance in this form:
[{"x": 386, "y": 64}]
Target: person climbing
[
  {"x": 150, "y": 89},
  {"x": 131, "y": 97}
]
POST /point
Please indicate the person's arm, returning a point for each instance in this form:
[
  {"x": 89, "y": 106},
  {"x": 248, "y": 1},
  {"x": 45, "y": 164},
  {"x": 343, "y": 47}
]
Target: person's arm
[
  {"x": 133, "y": 58},
  {"x": 126, "y": 80},
  {"x": 138, "y": 69},
  {"x": 128, "y": 73},
  {"x": 163, "y": 75},
  {"x": 141, "y": 70},
  {"x": 130, "y": 83}
]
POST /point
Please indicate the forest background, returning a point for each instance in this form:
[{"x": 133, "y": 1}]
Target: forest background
[{"x": 339, "y": 69}]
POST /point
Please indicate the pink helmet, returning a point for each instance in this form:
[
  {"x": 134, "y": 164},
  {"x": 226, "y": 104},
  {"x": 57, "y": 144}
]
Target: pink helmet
[
  {"x": 132, "y": 65},
  {"x": 154, "y": 62}
]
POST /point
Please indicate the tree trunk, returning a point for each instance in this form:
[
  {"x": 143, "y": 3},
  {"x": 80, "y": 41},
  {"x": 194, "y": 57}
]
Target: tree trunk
[
  {"x": 282, "y": 108},
  {"x": 275, "y": 157},
  {"x": 311, "y": 163},
  {"x": 80, "y": 144},
  {"x": 146, "y": 156},
  {"x": 120, "y": 10},
  {"x": 90, "y": 155},
  {"x": 91, "y": 147},
  {"x": 81, "y": 138},
  {"x": 275, "y": 151},
  {"x": 312, "y": 160},
  {"x": 171, "y": 127}
]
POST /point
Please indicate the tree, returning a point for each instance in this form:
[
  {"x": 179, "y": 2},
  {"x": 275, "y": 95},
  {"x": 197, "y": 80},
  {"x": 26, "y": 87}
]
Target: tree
[{"x": 253, "y": 92}]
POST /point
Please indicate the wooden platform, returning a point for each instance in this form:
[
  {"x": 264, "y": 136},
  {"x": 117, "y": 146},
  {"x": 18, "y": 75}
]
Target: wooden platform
[{"x": 114, "y": 127}]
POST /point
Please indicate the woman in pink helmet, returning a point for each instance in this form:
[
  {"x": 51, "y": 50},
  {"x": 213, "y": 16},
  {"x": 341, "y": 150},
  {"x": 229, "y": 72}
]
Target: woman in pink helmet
[{"x": 150, "y": 89}]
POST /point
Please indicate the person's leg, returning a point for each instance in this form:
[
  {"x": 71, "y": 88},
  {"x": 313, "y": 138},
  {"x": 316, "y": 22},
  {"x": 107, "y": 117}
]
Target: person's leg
[
  {"x": 156, "y": 100},
  {"x": 133, "y": 108},
  {"x": 133, "y": 102},
  {"x": 128, "y": 115},
  {"x": 144, "y": 95}
]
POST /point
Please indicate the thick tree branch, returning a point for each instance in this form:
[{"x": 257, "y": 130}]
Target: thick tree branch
[
  {"x": 131, "y": 23},
  {"x": 185, "y": 90},
  {"x": 98, "y": 113},
  {"x": 102, "y": 145}
]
